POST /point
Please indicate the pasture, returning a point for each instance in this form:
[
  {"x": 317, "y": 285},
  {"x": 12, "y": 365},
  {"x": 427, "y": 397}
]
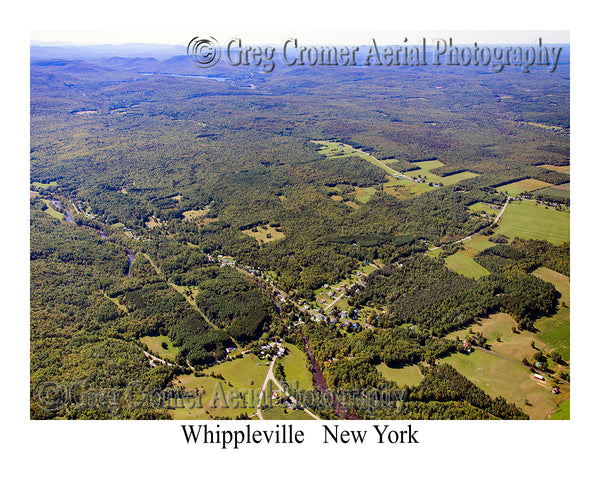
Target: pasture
[
  {"x": 497, "y": 376},
  {"x": 526, "y": 219}
]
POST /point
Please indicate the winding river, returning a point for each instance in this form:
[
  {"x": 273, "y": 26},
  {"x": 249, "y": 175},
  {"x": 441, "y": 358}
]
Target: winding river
[{"x": 69, "y": 219}]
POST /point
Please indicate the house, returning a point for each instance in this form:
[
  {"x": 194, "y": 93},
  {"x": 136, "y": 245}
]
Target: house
[
  {"x": 555, "y": 390},
  {"x": 538, "y": 377}
]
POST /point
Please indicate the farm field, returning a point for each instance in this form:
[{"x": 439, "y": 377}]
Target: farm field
[
  {"x": 298, "y": 377},
  {"x": 478, "y": 242},
  {"x": 155, "y": 347},
  {"x": 558, "y": 193},
  {"x": 464, "y": 265},
  {"x": 246, "y": 372},
  {"x": 408, "y": 375},
  {"x": 525, "y": 219},
  {"x": 242, "y": 375},
  {"x": 527, "y": 185},
  {"x": 555, "y": 330},
  {"x": 497, "y": 376},
  {"x": 212, "y": 391},
  {"x": 424, "y": 168}
]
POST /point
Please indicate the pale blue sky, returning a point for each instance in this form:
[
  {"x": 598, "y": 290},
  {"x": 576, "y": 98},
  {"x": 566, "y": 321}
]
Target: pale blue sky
[{"x": 182, "y": 37}]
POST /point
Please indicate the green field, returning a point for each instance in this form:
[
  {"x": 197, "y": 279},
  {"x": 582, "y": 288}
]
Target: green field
[
  {"x": 481, "y": 207},
  {"x": 525, "y": 219},
  {"x": 434, "y": 253},
  {"x": 563, "y": 412},
  {"x": 511, "y": 345},
  {"x": 497, "y": 376},
  {"x": 246, "y": 372},
  {"x": 44, "y": 185},
  {"x": 478, "y": 242},
  {"x": 155, "y": 347},
  {"x": 53, "y": 213},
  {"x": 424, "y": 168},
  {"x": 408, "y": 375},
  {"x": 464, "y": 265},
  {"x": 242, "y": 376},
  {"x": 554, "y": 193},
  {"x": 555, "y": 330},
  {"x": 527, "y": 185},
  {"x": 294, "y": 366}
]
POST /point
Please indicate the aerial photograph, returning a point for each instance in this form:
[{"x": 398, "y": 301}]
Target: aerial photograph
[{"x": 369, "y": 230}]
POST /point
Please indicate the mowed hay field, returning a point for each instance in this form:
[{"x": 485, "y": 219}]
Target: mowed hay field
[
  {"x": 525, "y": 219},
  {"x": 497, "y": 376},
  {"x": 465, "y": 266},
  {"x": 478, "y": 242},
  {"x": 408, "y": 375}
]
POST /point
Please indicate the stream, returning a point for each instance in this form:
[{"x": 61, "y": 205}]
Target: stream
[{"x": 69, "y": 219}]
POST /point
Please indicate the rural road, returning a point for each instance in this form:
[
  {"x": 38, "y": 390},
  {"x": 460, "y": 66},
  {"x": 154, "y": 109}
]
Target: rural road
[
  {"x": 156, "y": 359},
  {"x": 263, "y": 389},
  {"x": 496, "y": 220}
]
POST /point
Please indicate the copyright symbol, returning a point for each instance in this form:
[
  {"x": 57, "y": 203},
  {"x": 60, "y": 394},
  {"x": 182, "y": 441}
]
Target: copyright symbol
[
  {"x": 204, "y": 52},
  {"x": 51, "y": 396}
]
